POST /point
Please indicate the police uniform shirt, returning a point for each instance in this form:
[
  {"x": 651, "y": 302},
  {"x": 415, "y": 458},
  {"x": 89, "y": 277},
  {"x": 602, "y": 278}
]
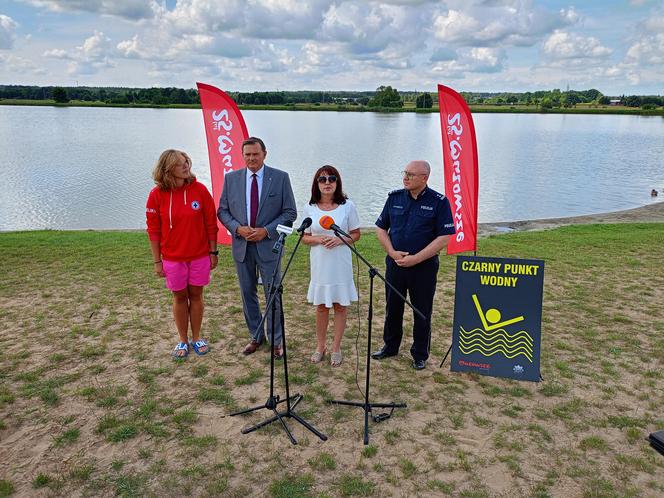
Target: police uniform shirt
[{"x": 414, "y": 223}]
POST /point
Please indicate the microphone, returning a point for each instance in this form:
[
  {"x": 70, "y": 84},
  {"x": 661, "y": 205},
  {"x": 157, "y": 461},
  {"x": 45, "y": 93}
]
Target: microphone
[
  {"x": 306, "y": 223},
  {"x": 327, "y": 222},
  {"x": 283, "y": 231}
]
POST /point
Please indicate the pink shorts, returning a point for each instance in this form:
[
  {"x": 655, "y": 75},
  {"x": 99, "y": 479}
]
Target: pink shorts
[{"x": 179, "y": 274}]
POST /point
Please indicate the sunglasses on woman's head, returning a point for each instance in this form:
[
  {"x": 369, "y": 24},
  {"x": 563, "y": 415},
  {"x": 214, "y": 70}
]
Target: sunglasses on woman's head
[{"x": 327, "y": 179}]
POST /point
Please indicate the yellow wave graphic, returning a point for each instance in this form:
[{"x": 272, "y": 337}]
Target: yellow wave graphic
[
  {"x": 500, "y": 341},
  {"x": 503, "y": 351},
  {"x": 520, "y": 335},
  {"x": 489, "y": 346},
  {"x": 498, "y": 347}
]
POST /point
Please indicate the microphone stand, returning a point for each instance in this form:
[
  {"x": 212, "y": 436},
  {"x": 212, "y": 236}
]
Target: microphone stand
[
  {"x": 272, "y": 400},
  {"x": 366, "y": 405}
]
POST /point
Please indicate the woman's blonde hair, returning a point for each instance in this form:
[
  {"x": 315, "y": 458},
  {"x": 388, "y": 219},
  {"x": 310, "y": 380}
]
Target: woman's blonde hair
[{"x": 162, "y": 173}]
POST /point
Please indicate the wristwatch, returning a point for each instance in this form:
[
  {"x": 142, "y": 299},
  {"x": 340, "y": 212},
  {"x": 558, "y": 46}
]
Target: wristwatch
[{"x": 215, "y": 253}]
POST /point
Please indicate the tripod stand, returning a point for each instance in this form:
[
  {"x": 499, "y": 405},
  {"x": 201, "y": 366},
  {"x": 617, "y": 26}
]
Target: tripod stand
[
  {"x": 366, "y": 405},
  {"x": 276, "y": 288}
]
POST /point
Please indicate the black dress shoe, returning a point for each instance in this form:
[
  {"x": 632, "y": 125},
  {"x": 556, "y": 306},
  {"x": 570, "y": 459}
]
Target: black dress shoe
[
  {"x": 382, "y": 353},
  {"x": 419, "y": 364}
]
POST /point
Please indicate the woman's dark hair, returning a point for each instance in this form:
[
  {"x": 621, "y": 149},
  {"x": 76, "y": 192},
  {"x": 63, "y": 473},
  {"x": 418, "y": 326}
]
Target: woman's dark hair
[{"x": 339, "y": 196}]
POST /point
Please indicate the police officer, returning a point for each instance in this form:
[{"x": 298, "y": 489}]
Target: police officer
[{"x": 413, "y": 228}]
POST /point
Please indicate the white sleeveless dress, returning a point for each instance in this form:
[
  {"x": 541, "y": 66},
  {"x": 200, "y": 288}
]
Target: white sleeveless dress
[{"x": 332, "y": 269}]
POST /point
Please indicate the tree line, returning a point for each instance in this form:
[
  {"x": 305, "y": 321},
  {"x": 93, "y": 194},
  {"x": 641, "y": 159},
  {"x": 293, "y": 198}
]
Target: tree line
[{"x": 384, "y": 97}]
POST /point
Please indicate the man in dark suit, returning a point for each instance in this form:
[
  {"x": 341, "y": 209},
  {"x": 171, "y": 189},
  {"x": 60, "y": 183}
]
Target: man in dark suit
[{"x": 253, "y": 202}]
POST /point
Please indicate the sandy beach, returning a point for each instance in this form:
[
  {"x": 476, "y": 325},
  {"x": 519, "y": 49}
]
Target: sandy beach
[{"x": 645, "y": 214}]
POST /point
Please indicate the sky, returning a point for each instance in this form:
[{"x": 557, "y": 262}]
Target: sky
[{"x": 616, "y": 47}]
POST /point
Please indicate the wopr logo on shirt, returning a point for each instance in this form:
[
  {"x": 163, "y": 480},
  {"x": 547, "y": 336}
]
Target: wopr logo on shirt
[{"x": 195, "y": 205}]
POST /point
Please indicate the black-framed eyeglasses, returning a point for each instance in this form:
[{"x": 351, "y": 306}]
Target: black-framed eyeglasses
[
  {"x": 408, "y": 175},
  {"x": 327, "y": 179}
]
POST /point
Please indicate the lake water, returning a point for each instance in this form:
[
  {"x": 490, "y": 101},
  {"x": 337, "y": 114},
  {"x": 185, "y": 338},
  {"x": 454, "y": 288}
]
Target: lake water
[{"x": 79, "y": 168}]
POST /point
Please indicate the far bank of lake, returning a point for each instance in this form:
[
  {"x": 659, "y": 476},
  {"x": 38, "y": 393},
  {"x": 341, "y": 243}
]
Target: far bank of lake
[{"x": 475, "y": 108}]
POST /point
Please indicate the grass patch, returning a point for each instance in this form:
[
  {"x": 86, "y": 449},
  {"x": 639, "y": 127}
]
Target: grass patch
[
  {"x": 130, "y": 485},
  {"x": 323, "y": 461},
  {"x": 123, "y": 432},
  {"x": 369, "y": 451},
  {"x": 67, "y": 437},
  {"x": 216, "y": 395},
  {"x": 350, "y": 485},
  {"x": 6, "y": 488},
  {"x": 250, "y": 378},
  {"x": 292, "y": 487},
  {"x": 593, "y": 443},
  {"x": 42, "y": 480},
  {"x": 196, "y": 446},
  {"x": 187, "y": 416}
]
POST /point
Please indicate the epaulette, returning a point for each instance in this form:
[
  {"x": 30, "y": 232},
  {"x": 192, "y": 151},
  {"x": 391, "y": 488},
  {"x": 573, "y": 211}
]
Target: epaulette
[{"x": 397, "y": 191}]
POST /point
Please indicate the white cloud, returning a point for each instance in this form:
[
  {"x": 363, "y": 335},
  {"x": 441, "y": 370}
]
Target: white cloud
[
  {"x": 271, "y": 59},
  {"x": 443, "y": 54},
  {"x": 383, "y": 36},
  {"x": 20, "y": 65},
  {"x": 363, "y": 28},
  {"x": 95, "y": 47},
  {"x": 455, "y": 26},
  {"x": 196, "y": 16},
  {"x": 7, "y": 32},
  {"x": 505, "y": 23},
  {"x": 486, "y": 60},
  {"x": 128, "y": 9},
  {"x": 131, "y": 49},
  {"x": 648, "y": 50},
  {"x": 654, "y": 24},
  {"x": 321, "y": 59},
  {"x": 56, "y": 53},
  {"x": 474, "y": 60},
  {"x": 93, "y": 55},
  {"x": 562, "y": 45},
  {"x": 285, "y": 19}
]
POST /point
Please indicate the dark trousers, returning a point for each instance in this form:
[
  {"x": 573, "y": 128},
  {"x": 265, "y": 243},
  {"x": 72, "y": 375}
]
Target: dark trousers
[{"x": 418, "y": 284}]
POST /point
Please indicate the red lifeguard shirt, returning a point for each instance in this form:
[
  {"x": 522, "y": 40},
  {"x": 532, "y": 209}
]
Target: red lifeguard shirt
[{"x": 183, "y": 220}]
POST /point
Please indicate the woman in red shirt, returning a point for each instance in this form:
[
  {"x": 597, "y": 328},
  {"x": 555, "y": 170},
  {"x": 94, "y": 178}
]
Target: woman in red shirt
[{"x": 182, "y": 227}]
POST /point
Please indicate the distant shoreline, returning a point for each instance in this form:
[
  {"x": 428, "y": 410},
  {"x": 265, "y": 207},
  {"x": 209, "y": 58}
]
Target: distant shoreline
[{"x": 475, "y": 108}]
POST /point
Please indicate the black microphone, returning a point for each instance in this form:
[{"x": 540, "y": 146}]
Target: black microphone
[
  {"x": 306, "y": 223},
  {"x": 283, "y": 230},
  {"x": 327, "y": 222}
]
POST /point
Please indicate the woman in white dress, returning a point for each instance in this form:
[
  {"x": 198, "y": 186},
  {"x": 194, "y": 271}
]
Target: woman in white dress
[{"x": 331, "y": 261}]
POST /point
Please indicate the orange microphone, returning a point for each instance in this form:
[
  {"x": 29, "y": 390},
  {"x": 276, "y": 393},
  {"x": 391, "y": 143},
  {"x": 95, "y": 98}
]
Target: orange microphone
[{"x": 327, "y": 222}]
